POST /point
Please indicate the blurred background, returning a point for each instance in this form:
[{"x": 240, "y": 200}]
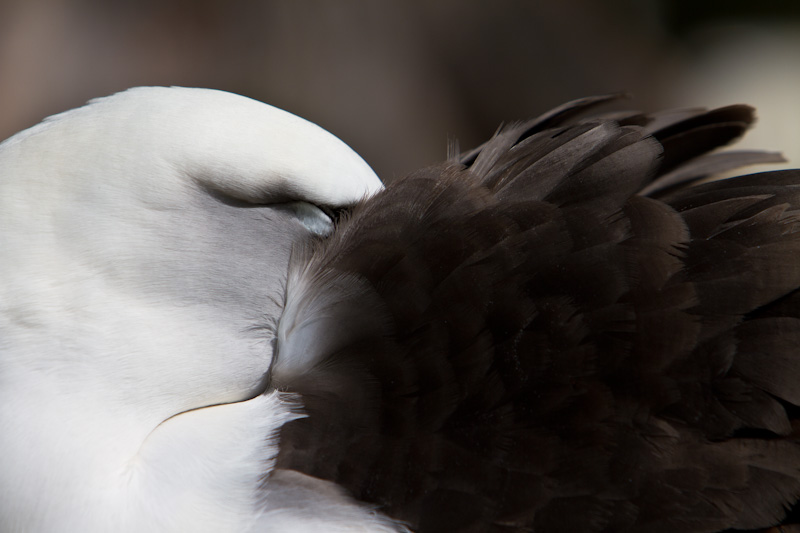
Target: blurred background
[{"x": 396, "y": 78}]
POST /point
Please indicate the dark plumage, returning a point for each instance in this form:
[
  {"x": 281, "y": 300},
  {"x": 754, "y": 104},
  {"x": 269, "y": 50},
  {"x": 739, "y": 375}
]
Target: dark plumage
[{"x": 560, "y": 331}]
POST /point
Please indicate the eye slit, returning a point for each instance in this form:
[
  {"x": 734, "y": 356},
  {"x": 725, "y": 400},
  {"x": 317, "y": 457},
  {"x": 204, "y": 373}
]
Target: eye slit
[
  {"x": 318, "y": 219},
  {"x": 313, "y": 217}
]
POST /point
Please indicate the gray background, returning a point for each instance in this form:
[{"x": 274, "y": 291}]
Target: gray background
[{"x": 396, "y": 78}]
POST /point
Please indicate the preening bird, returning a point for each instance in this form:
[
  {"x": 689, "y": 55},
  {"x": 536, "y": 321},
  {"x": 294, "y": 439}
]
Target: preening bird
[{"x": 213, "y": 317}]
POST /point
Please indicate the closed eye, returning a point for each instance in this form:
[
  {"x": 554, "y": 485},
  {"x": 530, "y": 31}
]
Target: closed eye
[{"x": 318, "y": 220}]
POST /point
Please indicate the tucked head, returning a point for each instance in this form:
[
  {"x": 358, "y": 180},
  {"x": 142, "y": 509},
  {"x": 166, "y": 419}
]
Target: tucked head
[{"x": 145, "y": 240}]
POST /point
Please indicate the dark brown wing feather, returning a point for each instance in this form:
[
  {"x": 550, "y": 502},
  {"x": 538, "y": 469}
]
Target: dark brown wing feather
[{"x": 523, "y": 342}]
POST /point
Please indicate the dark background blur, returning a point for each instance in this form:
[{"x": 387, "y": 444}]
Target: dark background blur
[{"x": 396, "y": 78}]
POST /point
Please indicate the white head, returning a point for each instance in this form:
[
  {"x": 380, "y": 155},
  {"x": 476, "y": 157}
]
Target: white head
[{"x": 141, "y": 255}]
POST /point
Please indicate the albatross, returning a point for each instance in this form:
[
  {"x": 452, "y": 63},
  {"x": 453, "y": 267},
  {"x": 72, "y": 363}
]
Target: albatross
[{"x": 214, "y": 317}]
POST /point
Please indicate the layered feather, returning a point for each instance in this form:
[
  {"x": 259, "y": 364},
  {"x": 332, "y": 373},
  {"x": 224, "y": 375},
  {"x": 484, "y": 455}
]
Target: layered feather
[{"x": 521, "y": 340}]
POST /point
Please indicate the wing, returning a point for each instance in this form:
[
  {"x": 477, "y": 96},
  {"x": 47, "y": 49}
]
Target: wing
[{"x": 520, "y": 340}]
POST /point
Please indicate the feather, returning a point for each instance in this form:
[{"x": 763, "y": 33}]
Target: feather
[
  {"x": 556, "y": 351},
  {"x": 709, "y": 165}
]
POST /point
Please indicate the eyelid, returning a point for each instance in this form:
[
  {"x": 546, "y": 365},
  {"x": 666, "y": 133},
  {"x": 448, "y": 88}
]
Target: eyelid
[{"x": 317, "y": 219}]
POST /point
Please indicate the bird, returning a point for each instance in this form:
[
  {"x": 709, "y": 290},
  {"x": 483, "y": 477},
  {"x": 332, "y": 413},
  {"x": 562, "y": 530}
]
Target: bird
[{"x": 216, "y": 317}]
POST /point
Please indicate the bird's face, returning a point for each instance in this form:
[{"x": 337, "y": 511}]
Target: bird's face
[{"x": 146, "y": 240}]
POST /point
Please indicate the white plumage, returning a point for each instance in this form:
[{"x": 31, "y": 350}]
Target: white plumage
[{"x": 133, "y": 287}]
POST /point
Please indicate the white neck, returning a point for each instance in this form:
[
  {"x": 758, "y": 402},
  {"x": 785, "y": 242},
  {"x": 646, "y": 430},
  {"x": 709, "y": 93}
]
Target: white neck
[{"x": 198, "y": 471}]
